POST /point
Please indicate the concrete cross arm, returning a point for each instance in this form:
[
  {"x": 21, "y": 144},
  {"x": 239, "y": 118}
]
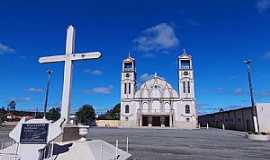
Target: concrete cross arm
[
  {"x": 61, "y": 58},
  {"x": 87, "y": 55},
  {"x": 52, "y": 59}
]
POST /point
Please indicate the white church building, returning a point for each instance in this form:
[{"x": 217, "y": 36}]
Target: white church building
[{"x": 156, "y": 103}]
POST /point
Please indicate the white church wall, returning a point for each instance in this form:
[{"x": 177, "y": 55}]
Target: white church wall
[
  {"x": 181, "y": 112},
  {"x": 185, "y": 120},
  {"x": 129, "y": 119},
  {"x": 167, "y": 107},
  {"x": 156, "y": 106}
]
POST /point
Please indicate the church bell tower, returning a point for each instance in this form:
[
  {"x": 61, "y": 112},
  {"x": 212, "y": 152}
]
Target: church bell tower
[
  {"x": 186, "y": 79},
  {"x": 128, "y": 78}
]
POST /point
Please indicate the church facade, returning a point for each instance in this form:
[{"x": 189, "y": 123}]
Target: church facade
[{"x": 156, "y": 103}]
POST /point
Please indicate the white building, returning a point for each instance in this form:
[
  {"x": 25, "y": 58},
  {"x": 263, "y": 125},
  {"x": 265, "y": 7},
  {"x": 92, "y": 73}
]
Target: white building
[{"x": 155, "y": 103}]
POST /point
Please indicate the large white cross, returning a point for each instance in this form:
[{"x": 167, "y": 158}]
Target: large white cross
[{"x": 68, "y": 58}]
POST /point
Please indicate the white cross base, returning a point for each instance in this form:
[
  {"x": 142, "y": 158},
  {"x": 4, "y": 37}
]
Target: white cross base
[{"x": 68, "y": 58}]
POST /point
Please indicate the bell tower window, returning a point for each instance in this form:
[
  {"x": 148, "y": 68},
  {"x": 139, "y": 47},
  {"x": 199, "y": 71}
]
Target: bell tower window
[
  {"x": 185, "y": 64},
  {"x": 128, "y": 66}
]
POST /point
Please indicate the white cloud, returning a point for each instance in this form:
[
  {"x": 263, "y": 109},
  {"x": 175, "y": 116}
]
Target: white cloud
[
  {"x": 262, "y": 5},
  {"x": 238, "y": 92},
  {"x": 4, "y": 49},
  {"x": 232, "y": 77},
  {"x": 193, "y": 22},
  {"x": 145, "y": 77},
  {"x": 266, "y": 55},
  {"x": 20, "y": 99},
  {"x": 218, "y": 90},
  {"x": 263, "y": 94},
  {"x": 156, "y": 38},
  {"x": 26, "y": 99},
  {"x": 32, "y": 89},
  {"x": 100, "y": 90},
  {"x": 149, "y": 55},
  {"x": 95, "y": 72}
]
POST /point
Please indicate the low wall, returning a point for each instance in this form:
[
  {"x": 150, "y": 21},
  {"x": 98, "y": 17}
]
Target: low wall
[
  {"x": 108, "y": 123},
  {"x": 237, "y": 119}
]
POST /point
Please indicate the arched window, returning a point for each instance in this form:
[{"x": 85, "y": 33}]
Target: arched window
[
  {"x": 127, "y": 109},
  {"x": 184, "y": 87},
  {"x": 187, "y": 109},
  {"x": 129, "y": 88},
  {"x": 188, "y": 87},
  {"x": 125, "y": 90}
]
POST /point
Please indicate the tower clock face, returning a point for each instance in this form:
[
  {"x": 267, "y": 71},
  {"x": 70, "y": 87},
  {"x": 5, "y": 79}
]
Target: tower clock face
[
  {"x": 127, "y": 75},
  {"x": 185, "y": 73}
]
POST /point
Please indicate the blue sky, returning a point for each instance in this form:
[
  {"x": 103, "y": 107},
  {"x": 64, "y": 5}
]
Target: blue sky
[{"x": 218, "y": 34}]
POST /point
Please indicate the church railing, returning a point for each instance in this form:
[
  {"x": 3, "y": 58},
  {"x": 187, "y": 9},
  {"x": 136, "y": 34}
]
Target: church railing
[{"x": 155, "y": 110}]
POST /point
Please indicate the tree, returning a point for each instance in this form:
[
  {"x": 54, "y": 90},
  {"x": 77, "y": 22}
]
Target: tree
[
  {"x": 113, "y": 114},
  {"x": 53, "y": 114},
  {"x": 86, "y": 115},
  {"x": 3, "y": 113},
  {"x": 221, "y": 110},
  {"x": 12, "y": 105}
]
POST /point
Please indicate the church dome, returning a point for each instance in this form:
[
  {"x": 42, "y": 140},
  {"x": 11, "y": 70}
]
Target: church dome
[{"x": 156, "y": 87}]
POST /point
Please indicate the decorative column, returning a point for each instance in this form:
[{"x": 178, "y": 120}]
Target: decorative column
[
  {"x": 162, "y": 120},
  {"x": 139, "y": 117},
  {"x": 171, "y": 117},
  {"x": 149, "y": 121},
  {"x": 141, "y": 122}
]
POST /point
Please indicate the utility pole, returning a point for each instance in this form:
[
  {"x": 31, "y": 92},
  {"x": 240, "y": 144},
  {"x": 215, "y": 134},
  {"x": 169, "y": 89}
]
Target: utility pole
[
  {"x": 47, "y": 93},
  {"x": 254, "y": 112}
]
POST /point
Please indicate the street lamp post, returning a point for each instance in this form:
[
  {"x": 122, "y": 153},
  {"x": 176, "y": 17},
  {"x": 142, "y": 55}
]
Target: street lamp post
[
  {"x": 254, "y": 112},
  {"x": 47, "y": 93}
]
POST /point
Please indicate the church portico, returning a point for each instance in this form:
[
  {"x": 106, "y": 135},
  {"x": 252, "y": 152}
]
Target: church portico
[
  {"x": 155, "y": 103},
  {"x": 155, "y": 121}
]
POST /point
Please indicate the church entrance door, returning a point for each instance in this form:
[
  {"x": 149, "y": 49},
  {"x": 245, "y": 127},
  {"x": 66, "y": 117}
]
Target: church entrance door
[
  {"x": 156, "y": 121},
  {"x": 144, "y": 121},
  {"x": 167, "y": 121}
]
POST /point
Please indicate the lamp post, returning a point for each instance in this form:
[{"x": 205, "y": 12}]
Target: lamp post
[
  {"x": 47, "y": 93},
  {"x": 254, "y": 112}
]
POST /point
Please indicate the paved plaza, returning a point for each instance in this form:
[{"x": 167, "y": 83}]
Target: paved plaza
[
  {"x": 4, "y": 135},
  {"x": 172, "y": 144}
]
